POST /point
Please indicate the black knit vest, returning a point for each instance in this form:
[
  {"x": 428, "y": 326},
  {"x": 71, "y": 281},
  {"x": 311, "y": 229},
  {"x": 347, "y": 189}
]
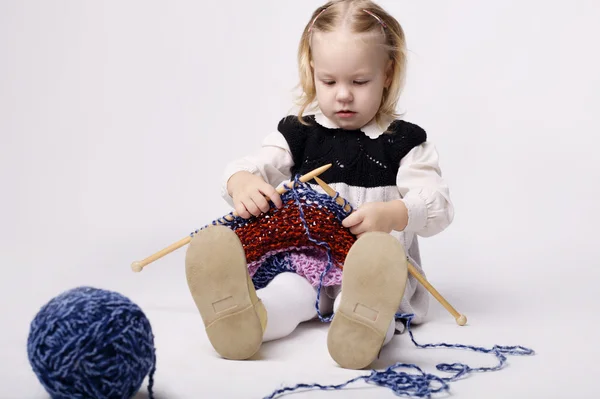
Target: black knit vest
[{"x": 356, "y": 159}]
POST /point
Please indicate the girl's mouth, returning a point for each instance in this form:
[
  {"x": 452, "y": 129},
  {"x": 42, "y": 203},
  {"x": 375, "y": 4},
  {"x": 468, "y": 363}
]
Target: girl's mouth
[{"x": 345, "y": 114}]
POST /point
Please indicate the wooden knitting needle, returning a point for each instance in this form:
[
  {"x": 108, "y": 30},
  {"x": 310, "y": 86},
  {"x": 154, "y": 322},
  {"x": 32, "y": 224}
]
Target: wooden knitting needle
[
  {"x": 139, "y": 265},
  {"x": 332, "y": 193},
  {"x": 461, "y": 319}
]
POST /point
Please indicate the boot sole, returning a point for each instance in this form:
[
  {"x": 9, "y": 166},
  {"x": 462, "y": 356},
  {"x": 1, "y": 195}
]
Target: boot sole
[
  {"x": 217, "y": 276},
  {"x": 374, "y": 280}
]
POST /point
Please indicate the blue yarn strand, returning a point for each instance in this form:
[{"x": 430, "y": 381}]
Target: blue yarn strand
[
  {"x": 295, "y": 191},
  {"x": 461, "y": 369},
  {"x": 401, "y": 383},
  {"x": 420, "y": 384}
]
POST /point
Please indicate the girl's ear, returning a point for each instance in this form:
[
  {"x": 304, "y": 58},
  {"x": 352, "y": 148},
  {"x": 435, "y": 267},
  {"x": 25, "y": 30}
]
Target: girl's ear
[{"x": 389, "y": 70}]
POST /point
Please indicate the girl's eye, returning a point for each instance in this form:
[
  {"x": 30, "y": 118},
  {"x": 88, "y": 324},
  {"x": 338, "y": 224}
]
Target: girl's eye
[
  {"x": 361, "y": 82},
  {"x": 329, "y": 82}
]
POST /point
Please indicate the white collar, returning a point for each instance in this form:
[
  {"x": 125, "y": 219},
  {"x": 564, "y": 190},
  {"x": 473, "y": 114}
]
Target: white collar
[{"x": 371, "y": 129}]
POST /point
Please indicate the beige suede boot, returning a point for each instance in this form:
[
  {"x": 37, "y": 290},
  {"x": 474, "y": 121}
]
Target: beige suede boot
[
  {"x": 217, "y": 276},
  {"x": 375, "y": 274}
]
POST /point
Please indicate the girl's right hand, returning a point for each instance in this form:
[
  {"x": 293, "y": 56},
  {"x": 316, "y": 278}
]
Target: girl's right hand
[{"x": 248, "y": 193}]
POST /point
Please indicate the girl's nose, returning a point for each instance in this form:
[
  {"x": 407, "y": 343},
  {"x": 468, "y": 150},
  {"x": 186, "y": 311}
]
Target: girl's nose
[{"x": 343, "y": 94}]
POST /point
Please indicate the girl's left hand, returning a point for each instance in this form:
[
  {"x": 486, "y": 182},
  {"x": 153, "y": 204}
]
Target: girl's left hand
[{"x": 377, "y": 216}]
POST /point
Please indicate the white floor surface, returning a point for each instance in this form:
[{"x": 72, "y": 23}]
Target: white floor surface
[{"x": 549, "y": 321}]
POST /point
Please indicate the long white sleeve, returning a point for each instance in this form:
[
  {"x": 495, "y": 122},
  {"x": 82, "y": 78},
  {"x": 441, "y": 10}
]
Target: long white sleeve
[
  {"x": 272, "y": 161},
  {"x": 424, "y": 191}
]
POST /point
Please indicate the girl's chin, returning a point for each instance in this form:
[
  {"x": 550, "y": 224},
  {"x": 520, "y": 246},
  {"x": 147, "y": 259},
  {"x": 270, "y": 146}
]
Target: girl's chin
[{"x": 348, "y": 123}]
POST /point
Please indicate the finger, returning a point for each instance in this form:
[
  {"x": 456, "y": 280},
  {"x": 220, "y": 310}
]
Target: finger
[
  {"x": 260, "y": 201},
  {"x": 251, "y": 207},
  {"x": 352, "y": 220},
  {"x": 359, "y": 229},
  {"x": 270, "y": 192},
  {"x": 241, "y": 210}
]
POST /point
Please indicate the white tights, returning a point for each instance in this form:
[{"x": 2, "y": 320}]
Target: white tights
[{"x": 290, "y": 300}]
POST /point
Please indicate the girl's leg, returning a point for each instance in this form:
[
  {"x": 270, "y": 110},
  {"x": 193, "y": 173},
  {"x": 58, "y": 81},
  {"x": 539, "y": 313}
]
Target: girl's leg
[{"x": 289, "y": 299}]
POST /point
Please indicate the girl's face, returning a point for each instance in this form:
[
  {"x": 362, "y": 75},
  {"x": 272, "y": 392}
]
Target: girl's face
[{"x": 350, "y": 71}]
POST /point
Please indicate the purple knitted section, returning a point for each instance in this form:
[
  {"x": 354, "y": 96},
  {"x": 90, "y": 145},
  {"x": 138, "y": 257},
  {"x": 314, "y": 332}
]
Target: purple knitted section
[{"x": 311, "y": 263}]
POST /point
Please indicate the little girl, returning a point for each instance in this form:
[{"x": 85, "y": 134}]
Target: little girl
[{"x": 352, "y": 61}]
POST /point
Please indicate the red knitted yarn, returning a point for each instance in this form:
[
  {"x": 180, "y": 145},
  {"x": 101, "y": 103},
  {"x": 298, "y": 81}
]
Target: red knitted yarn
[{"x": 282, "y": 230}]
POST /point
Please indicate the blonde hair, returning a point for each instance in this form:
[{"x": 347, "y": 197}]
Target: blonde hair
[{"x": 361, "y": 16}]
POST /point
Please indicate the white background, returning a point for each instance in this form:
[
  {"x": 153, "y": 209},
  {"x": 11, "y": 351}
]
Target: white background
[{"x": 117, "y": 119}]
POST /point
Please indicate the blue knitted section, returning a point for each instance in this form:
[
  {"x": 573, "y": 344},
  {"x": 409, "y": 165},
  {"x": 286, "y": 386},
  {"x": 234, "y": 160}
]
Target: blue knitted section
[
  {"x": 273, "y": 266},
  {"x": 418, "y": 383},
  {"x": 91, "y": 343}
]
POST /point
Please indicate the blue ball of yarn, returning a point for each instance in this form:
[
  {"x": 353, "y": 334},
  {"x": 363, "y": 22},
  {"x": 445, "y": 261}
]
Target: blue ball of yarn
[{"x": 91, "y": 343}]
